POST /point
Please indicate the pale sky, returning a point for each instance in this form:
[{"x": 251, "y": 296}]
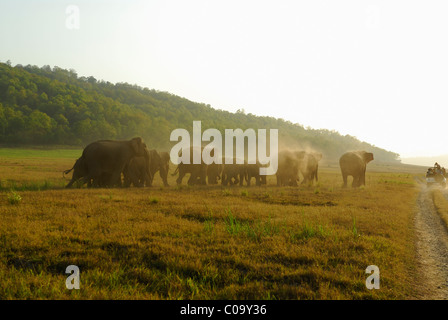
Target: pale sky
[{"x": 377, "y": 70}]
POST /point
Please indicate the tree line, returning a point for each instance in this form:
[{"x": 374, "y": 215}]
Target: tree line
[{"x": 54, "y": 106}]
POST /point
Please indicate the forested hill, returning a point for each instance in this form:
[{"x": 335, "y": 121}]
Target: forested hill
[{"x": 53, "y": 106}]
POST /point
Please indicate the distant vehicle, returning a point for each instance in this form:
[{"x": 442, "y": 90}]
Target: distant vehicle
[{"x": 436, "y": 175}]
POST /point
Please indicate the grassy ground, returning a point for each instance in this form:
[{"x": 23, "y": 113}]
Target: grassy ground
[
  {"x": 441, "y": 203},
  {"x": 201, "y": 242}
]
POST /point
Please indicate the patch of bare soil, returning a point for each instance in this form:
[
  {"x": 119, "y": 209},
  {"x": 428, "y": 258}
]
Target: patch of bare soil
[{"x": 432, "y": 250}]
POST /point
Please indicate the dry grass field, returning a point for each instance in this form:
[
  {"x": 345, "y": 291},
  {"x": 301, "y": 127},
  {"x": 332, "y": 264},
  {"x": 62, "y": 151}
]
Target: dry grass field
[
  {"x": 202, "y": 242},
  {"x": 440, "y": 198}
]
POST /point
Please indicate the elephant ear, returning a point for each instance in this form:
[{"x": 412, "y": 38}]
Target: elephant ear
[
  {"x": 137, "y": 145},
  {"x": 146, "y": 152},
  {"x": 300, "y": 155},
  {"x": 155, "y": 157},
  {"x": 368, "y": 156},
  {"x": 165, "y": 157},
  {"x": 317, "y": 156}
]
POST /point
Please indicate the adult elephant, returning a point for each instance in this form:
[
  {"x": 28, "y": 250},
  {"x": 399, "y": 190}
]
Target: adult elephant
[
  {"x": 233, "y": 173},
  {"x": 354, "y": 164},
  {"x": 310, "y": 166},
  {"x": 253, "y": 171},
  {"x": 103, "y": 161},
  {"x": 198, "y": 172},
  {"x": 214, "y": 171},
  {"x": 289, "y": 163},
  {"x": 159, "y": 162}
]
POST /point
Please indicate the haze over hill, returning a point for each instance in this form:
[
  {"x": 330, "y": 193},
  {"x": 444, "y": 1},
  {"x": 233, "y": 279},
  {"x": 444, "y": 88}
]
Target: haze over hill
[
  {"x": 427, "y": 161},
  {"x": 54, "y": 106}
]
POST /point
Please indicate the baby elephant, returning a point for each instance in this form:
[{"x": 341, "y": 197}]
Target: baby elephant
[
  {"x": 253, "y": 171},
  {"x": 137, "y": 172}
]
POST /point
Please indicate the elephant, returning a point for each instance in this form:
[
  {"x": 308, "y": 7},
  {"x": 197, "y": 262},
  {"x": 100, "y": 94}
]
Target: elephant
[
  {"x": 137, "y": 171},
  {"x": 309, "y": 167},
  {"x": 289, "y": 163},
  {"x": 214, "y": 172},
  {"x": 198, "y": 172},
  {"x": 103, "y": 161},
  {"x": 354, "y": 164},
  {"x": 234, "y": 173},
  {"x": 79, "y": 171},
  {"x": 253, "y": 171},
  {"x": 159, "y": 162}
]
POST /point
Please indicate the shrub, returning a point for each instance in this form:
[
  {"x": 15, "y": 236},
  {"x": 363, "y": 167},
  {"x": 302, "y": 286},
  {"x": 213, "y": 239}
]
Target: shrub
[{"x": 14, "y": 198}]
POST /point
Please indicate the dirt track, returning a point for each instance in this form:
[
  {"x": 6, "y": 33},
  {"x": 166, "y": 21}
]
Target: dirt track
[{"x": 432, "y": 249}]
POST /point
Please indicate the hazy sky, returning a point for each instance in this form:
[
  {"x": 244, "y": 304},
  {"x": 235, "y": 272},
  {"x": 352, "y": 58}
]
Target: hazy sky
[{"x": 377, "y": 70}]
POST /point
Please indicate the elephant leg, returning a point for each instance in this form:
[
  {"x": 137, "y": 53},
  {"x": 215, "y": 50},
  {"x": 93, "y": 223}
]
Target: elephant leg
[
  {"x": 202, "y": 179},
  {"x": 70, "y": 183},
  {"x": 344, "y": 178},
  {"x": 363, "y": 179},
  {"x": 304, "y": 180},
  {"x": 163, "y": 176},
  {"x": 294, "y": 182},
  {"x": 115, "y": 179},
  {"x": 355, "y": 182},
  {"x": 283, "y": 181},
  {"x": 181, "y": 176},
  {"x": 308, "y": 180},
  {"x": 135, "y": 181},
  {"x": 91, "y": 181},
  {"x": 151, "y": 179},
  {"x": 193, "y": 179},
  {"x": 127, "y": 183},
  {"x": 140, "y": 184}
]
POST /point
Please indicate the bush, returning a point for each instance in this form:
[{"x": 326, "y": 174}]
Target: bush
[{"x": 14, "y": 198}]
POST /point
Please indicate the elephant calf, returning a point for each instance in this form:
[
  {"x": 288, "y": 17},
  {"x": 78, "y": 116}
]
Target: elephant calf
[
  {"x": 288, "y": 167},
  {"x": 198, "y": 172},
  {"x": 233, "y": 173},
  {"x": 159, "y": 162},
  {"x": 137, "y": 172},
  {"x": 309, "y": 167},
  {"x": 214, "y": 171},
  {"x": 253, "y": 171}
]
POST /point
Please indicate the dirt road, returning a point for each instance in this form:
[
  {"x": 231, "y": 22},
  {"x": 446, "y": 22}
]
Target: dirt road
[{"x": 432, "y": 249}]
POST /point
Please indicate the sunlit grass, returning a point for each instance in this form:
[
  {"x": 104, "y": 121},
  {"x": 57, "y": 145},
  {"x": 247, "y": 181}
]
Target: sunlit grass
[
  {"x": 441, "y": 203},
  {"x": 204, "y": 242}
]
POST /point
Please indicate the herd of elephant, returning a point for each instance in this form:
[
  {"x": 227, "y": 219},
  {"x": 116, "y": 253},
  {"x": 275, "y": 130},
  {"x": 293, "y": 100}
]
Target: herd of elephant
[{"x": 112, "y": 163}]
